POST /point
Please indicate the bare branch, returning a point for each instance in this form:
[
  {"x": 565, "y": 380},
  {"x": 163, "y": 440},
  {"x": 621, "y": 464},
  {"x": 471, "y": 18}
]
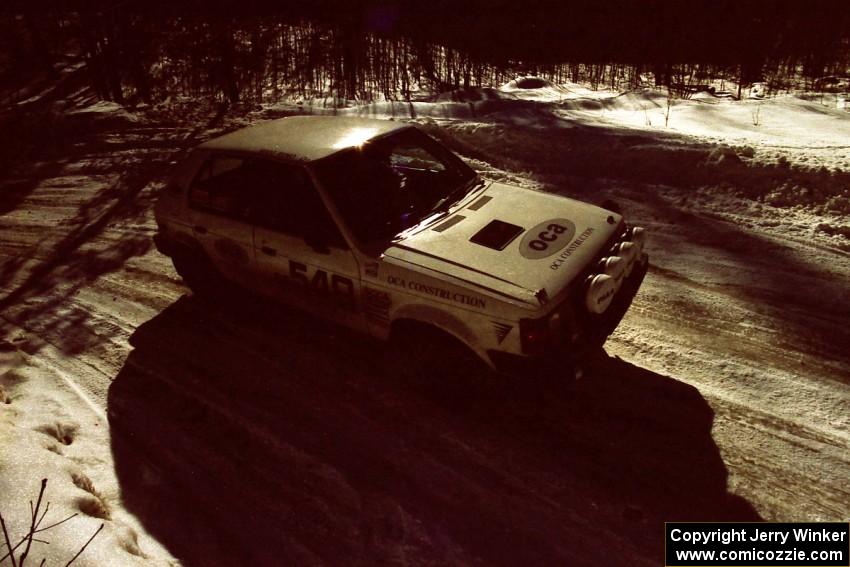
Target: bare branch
[
  {"x": 17, "y": 545},
  {"x": 8, "y": 542},
  {"x": 43, "y": 514},
  {"x": 56, "y": 524},
  {"x": 84, "y": 546},
  {"x": 26, "y": 551}
]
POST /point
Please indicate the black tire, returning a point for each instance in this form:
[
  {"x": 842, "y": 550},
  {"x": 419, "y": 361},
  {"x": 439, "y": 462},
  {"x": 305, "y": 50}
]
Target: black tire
[
  {"x": 197, "y": 273},
  {"x": 439, "y": 364}
]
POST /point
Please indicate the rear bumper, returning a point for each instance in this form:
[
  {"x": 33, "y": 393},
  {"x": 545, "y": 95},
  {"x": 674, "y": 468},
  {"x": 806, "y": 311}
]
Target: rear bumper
[{"x": 567, "y": 357}]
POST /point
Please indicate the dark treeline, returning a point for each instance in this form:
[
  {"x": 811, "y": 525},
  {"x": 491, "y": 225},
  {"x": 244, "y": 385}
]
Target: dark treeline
[{"x": 257, "y": 51}]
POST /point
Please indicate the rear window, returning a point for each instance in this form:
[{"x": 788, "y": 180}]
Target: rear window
[{"x": 222, "y": 186}]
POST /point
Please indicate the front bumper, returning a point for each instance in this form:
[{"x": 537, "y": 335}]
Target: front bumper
[{"x": 594, "y": 333}]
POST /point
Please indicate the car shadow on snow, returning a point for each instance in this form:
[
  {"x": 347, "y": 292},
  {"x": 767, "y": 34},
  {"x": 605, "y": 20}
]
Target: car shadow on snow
[{"x": 244, "y": 434}]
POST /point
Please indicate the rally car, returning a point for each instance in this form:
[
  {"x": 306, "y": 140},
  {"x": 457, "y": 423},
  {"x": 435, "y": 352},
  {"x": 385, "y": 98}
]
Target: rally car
[{"x": 377, "y": 226}]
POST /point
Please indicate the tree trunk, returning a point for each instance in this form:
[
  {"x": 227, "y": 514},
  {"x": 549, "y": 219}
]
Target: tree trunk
[
  {"x": 228, "y": 74},
  {"x": 42, "y": 52}
]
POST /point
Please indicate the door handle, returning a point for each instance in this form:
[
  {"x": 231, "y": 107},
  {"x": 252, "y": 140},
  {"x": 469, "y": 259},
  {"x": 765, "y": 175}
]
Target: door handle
[
  {"x": 200, "y": 229},
  {"x": 269, "y": 251}
]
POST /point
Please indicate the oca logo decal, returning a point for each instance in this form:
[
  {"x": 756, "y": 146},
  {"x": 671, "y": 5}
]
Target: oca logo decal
[{"x": 546, "y": 238}]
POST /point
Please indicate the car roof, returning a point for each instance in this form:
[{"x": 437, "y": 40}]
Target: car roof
[{"x": 303, "y": 138}]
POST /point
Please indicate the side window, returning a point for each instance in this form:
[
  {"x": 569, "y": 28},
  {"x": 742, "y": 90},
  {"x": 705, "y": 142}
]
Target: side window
[
  {"x": 286, "y": 201},
  {"x": 222, "y": 186}
]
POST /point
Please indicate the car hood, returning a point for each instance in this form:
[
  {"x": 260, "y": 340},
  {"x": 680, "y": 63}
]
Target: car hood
[{"x": 523, "y": 243}]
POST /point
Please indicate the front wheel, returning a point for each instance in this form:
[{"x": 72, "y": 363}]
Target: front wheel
[{"x": 439, "y": 363}]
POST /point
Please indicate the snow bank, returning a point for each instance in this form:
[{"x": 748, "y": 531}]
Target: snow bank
[
  {"x": 105, "y": 110},
  {"x": 45, "y": 433},
  {"x": 543, "y": 90},
  {"x": 786, "y": 121}
]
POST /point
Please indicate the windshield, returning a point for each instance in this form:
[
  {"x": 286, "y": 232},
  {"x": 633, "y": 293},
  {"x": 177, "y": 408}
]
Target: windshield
[{"x": 393, "y": 183}]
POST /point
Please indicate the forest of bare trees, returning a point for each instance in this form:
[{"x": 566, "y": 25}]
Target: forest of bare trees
[{"x": 394, "y": 50}]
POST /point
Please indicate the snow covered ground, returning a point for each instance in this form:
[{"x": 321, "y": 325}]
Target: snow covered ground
[{"x": 243, "y": 435}]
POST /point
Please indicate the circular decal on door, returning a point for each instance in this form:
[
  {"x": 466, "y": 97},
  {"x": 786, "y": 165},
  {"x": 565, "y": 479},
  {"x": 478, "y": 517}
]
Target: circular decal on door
[{"x": 546, "y": 238}]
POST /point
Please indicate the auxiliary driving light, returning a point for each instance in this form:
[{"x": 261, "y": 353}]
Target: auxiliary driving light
[
  {"x": 615, "y": 267},
  {"x": 637, "y": 235},
  {"x": 600, "y": 292},
  {"x": 628, "y": 252}
]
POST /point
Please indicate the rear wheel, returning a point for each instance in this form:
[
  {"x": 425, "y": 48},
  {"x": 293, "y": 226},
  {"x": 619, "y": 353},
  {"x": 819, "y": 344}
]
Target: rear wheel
[{"x": 197, "y": 273}]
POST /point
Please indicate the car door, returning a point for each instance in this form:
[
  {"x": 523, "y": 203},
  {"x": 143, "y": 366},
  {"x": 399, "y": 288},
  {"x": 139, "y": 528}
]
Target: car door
[
  {"x": 219, "y": 203},
  {"x": 302, "y": 259}
]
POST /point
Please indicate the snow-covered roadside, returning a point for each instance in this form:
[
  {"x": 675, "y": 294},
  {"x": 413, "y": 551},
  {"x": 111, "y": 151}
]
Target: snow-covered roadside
[
  {"x": 51, "y": 429},
  {"x": 53, "y": 422}
]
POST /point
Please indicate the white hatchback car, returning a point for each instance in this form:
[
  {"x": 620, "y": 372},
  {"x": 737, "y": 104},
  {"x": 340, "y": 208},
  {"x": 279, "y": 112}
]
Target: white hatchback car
[{"x": 376, "y": 226}]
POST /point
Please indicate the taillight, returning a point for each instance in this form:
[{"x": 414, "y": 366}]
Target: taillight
[
  {"x": 535, "y": 335},
  {"x": 539, "y": 335}
]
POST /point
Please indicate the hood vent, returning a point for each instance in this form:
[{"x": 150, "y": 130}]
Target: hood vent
[
  {"x": 480, "y": 202},
  {"x": 448, "y": 224},
  {"x": 497, "y": 235}
]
